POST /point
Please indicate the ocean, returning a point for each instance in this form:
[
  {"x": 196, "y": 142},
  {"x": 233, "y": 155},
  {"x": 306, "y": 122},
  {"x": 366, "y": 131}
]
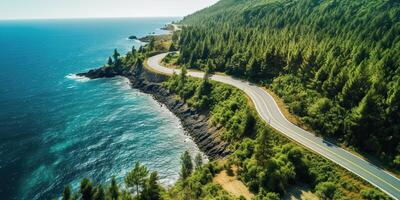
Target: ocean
[{"x": 56, "y": 128}]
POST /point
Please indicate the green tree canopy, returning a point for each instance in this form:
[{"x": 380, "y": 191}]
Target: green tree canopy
[
  {"x": 116, "y": 56},
  {"x": 110, "y": 61},
  {"x": 326, "y": 190},
  {"x": 186, "y": 165},
  {"x": 86, "y": 189},
  {"x": 151, "y": 191},
  {"x": 198, "y": 160},
  {"x": 113, "y": 190},
  {"x": 336, "y": 64},
  {"x": 136, "y": 177},
  {"x": 67, "y": 194}
]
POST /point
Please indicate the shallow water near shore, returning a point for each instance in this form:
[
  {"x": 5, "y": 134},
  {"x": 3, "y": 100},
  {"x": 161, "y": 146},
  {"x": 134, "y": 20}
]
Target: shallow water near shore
[{"x": 56, "y": 128}]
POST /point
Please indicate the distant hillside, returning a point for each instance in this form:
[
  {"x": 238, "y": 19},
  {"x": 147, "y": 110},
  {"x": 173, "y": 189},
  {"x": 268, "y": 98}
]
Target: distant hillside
[{"x": 334, "y": 62}]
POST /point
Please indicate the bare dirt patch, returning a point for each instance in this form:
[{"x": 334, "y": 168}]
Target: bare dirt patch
[
  {"x": 232, "y": 185},
  {"x": 299, "y": 192}
]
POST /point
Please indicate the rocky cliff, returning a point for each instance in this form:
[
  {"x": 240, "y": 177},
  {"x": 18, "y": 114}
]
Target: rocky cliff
[{"x": 195, "y": 123}]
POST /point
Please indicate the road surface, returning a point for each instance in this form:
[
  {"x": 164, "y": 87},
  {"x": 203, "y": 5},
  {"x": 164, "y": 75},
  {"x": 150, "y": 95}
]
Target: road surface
[
  {"x": 176, "y": 27},
  {"x": 270, "y": 112}
]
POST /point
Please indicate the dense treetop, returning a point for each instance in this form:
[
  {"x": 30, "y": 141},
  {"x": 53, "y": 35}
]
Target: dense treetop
[
  {"x": 334, "y": 62},
  {"x": 264, "y": 160}
]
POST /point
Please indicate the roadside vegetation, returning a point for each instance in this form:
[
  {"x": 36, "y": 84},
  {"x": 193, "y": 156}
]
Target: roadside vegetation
[
  {"x": 266, "y": 161},
  {"x": 334, "y": 63},
  {"x": 171, "y": 60}
]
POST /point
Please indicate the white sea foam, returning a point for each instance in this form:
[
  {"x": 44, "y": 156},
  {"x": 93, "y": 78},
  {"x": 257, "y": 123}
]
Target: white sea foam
[{"x": 77, "y": 78}]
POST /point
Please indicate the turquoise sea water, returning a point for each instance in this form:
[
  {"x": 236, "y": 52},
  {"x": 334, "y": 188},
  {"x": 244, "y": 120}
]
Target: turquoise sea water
[{"x": 56, "y": 129}]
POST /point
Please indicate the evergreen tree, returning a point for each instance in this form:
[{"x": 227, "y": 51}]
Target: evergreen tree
[
  {"x": 138, "y": 67},
  {"x": 99, "y": 194},
  {"x": 152, "y": 189},
  {"x": 136, "y": 178},
  {"x": 113, "y": 190},
  {"x": 205, "y": 87},
  {"x": 263, "y": 150},
  {"x": 198, "y": 160},
  {"x": 186, "y": 165},
  {"x": 152, "y": 43},
  {"x": 182, "y": 78},
  {"x": 116, "y": 56},
  {"x": 110, "y": 61},
  {"x": 86, "y": 189},
  {"x": 133, "y": 50},
  {"x": 67, "y": 194},
  {"x": 142, "y": 49},
  {"x": 253, "y": 69}
]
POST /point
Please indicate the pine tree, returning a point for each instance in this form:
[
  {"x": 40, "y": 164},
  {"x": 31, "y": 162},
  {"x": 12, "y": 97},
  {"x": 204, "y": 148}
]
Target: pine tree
[
  {"x": 142, "y": 49},
  {"x": 110, "y": 61},
  {"x": 198, "y": 160},
  {"x": 204, "y": 88},
  {"x": 136, "y": 178},
  {"x": 253, "y": 68},
  {"x": 152, "y": 191},
  {"x": 138, "y": 67},
  {"x": 263, "y": 150},
  {"x": 86, "y": 189},
  {"x": 182, "y": 78},
  {"x": 133, "y": 50},
  {"x": 67, "y": 193},
  {"x": 113, "y": 190},
  {"x": 152, "y": 43},
  {"x": 99, "y": 194},
  {"x": 116, "y": 57},
  {"x": 186, "y": 165}
]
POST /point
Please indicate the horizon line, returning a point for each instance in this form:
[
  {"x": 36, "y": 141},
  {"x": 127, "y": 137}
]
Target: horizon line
[{"x": 66, "y": 18}]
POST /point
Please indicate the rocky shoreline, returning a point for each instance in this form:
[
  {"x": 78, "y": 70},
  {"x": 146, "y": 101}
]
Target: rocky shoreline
[{"x": 195, "y": 123}]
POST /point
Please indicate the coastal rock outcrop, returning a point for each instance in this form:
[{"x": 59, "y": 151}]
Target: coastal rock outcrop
[
  {"x": 194, "y": 122},
  {"x": 132, "y": 37},
  {"x": 103, "y": 72}
]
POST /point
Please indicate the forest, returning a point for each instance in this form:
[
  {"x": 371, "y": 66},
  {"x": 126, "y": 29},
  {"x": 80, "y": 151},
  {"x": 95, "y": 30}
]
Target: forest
[
  {"x": 265, "y": 161},
  {"x": 335, "y": 63}
]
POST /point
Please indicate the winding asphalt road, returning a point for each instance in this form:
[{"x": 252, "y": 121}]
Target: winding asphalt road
[{"x": 270, "y": 112}]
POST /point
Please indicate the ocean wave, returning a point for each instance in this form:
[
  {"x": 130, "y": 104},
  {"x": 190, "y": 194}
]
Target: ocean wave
[
  {"x": 122, "y": 82},
  {"x": 77, "y": 78}
]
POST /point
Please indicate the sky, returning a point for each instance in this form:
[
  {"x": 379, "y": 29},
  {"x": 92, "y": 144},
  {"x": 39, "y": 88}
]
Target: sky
[{"x": 55, "y": 9}]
